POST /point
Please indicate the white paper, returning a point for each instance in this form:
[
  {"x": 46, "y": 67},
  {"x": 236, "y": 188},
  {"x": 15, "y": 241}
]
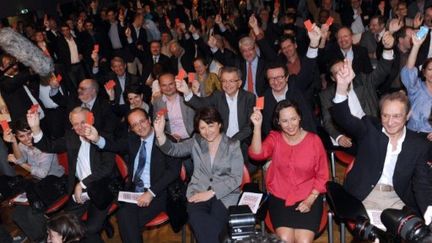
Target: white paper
[
  {"x": 21, "y": 198},
  {"x": 251, "y": 199},
  {"x": 129, "y": 197},
  {"x": 84, "y": 197},
  {"x": 375, "y": 218}
]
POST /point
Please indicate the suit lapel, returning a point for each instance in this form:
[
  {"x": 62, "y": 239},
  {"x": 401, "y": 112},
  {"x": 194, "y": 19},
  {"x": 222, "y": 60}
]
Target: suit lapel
[
  {"x": 220, "y": 153},
  {"x": 205, "y": 155},
  {"x": 240, "y": 104}
]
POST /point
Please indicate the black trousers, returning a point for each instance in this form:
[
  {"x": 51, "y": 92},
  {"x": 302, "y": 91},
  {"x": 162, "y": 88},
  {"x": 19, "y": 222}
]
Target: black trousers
[
  {"x": 131, "y": 218},
  {"x": 208, "y": 220}
]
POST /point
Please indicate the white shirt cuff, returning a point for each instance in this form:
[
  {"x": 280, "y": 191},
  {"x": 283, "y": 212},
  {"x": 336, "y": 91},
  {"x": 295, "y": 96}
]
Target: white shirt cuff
[
  {"x": 312, "y": 52},
  {"x": 337, "y": 138},
  {"x": 151, "y": 192},
  {"x": 37, "y": 137},
  {"x": 82, "y": 185},
  {"x": 214, "y": 49},
  {"x": 101, "y": 143},
  {"x": 188, "y": 97},
  {"x": 339, "y": 98},
  {"x": 388, "y": 55},
  {"x": 129, "y": 39}
]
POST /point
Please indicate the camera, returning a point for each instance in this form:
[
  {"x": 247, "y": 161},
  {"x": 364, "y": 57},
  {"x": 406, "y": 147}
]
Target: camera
[{"x": 406, "y": 224}]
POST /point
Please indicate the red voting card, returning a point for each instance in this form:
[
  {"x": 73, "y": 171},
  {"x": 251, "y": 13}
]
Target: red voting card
[
  {"x": 96, "y": 48},
  {"x": 90, "y": 118},
  {"x": 5, "y": 125},
  {"x": 181, "y": 74},
  {"x": 329, "y": 21},
  {"x": 191, "y": 77},
  {"x": 162, "y": 112},
  {"x": 110, "y": 85},
  {"x": 34, "y": 108},
  {"x": 260, "y": 103},
  {"x": 59, "y": 78},
  {"x": 308, "y": 25}
]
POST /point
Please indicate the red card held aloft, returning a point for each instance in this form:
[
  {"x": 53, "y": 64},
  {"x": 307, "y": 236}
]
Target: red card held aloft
[
  {"x": 308, "y": 25},
  {"x": 191, "y": 77},
  {"x": 181, "y": 74},
  {"x": 59, "y": 78},
  {"x": 162, "y": 112},
  {"x": 5, "y": 125},
  {"x": 34, "y": 108},
  {"x": 260, "y": 103},
  {"x": 96, "y": 48},
  {"x": 110, "y": 84},
  {"x": 90, "y": 118},
  {"x": 329, "y": 21}
]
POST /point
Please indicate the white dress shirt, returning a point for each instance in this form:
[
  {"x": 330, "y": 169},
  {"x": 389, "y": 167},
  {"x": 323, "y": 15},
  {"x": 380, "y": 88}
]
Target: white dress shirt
[{"x": 233, "y": 125}]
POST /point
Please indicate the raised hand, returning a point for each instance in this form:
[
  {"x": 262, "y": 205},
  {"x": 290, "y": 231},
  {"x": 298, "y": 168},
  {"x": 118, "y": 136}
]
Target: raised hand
[
  {"x": 182, "y": 87},
  {"x": 159, "y": 125},
  {"x": 192, "y": 29},
  {"x": 344, "y": 77},
  {"x": 53, "y": 82},
  {"x": 395, "y": 25},
  {"x": 33, "y": 121},
  {"x": 90, "y": 133},
  {"x": 256, "y": 118},
  {"x": 8, "y": 136},
  {"x": 388, "y": 40},
  {"x": 418, "y": 20},
  {"x": 128, "y": 32},
  {"x": 314, "y": 36},
  {"x": 253, "y": 22},
  {"x": 416, "y": 41}
]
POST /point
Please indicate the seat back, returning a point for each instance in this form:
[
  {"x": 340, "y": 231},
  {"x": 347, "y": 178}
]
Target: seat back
[
  {"x": 121, "y": 166},
  {"x": 63, "y": 161},
  {"x": 246, "y": 177}
]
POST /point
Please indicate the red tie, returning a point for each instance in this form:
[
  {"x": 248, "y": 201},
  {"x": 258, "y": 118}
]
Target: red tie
[{"x": 250, "y": 87}]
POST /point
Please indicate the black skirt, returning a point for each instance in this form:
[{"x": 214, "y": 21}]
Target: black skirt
[{"x": 282, "y": 216}]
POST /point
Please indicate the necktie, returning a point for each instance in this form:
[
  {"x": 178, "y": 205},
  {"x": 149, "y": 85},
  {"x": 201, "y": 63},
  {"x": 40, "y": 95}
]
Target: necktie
[
  {"x": 139, "y": 184},
  {"x": 250, "y": 78},
  {"x": 154, "y": 59}
]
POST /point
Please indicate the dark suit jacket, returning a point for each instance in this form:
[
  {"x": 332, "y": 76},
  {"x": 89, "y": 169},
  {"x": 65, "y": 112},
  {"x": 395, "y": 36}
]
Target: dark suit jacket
[
  {"x": 163, "y": 170},
  {"x": 101, "y": 163},
  {"x": 15, "y": 96},
  {"x": 245, "y": 104},
  {"x": 187, "y": 58},
  {"x": 307, "y": 122},
  {"x": 130, "y": 80},
  {"x": 147, "y": 60},
  {"x": 411, "y": 179},
  {"x": 361, "y": 62},
  {"x": 104, "y": 119},
  {"x": 63, "y": 52},
  {"x": 365, "y": 86}
]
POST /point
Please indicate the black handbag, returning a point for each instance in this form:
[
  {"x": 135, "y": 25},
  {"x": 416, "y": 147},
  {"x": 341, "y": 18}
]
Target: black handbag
[
  {"x": 42, "y": 194},
  {"x": 176, "y": 205}
]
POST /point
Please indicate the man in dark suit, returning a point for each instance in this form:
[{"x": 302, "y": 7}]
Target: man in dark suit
[
  {"x": 89, "y": 169},
  {"x": 70, "y": 55},
  {"x": 362, "y": 96},
  {"x": 19, "y": 89},
  {"x": 105, "y": 120},
  {"x": 152, "y": 172},
  {"x": 182, "y": 55},
  {"x": 280, "y": 89},
  {"x": 137, "y": 39},
  {"x": 122, "y": 79},
  {"x": 391, "y": 160},
  {"x": 234, "y": 104},
  {"x": 344, "y": 48},
  {"x": 151, "y": 57}
]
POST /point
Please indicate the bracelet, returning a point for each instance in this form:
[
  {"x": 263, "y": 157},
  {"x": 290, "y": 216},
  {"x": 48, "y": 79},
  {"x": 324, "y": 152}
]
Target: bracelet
[{"x": 314, "y": 47}]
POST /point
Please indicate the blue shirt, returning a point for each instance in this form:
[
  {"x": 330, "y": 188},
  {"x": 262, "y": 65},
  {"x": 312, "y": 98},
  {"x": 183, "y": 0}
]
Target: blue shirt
[
  {"x": 145, "y": 176},
  {"x": 420, "y": 99}
]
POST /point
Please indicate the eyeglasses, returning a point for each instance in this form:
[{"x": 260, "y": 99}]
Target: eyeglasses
[
  {"x": 277, "y": 78},
  {"x": 230, "y": 81}
]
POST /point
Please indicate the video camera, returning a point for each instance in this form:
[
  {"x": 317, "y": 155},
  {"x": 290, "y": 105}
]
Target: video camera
[{"x": 402, "y": 223}]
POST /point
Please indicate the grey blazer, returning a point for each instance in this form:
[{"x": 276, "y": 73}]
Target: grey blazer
[
  {"x": 188, "y": 114},
  {"x": 224, "y": 177}
]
